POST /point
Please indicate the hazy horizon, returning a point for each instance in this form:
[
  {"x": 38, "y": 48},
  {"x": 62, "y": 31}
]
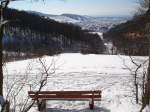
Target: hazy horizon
[
  {"x": 79, "y": 14},
  {"x": 79, "y": 7}
]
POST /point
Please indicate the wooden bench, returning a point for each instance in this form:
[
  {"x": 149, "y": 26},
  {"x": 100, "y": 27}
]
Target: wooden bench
[{"x": 42, "y": 96}]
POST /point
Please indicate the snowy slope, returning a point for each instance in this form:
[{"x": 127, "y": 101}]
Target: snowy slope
[
  {"x": 80, "y": 18},
  {"x": 83, "y": 72},
  {"x": 64, "y": 19},
  {"x": 98, "y": 24},
  {"x": 60, "y": 18}
]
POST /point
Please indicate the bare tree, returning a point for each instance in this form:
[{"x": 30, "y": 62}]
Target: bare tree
[
  {"x": 18, "y": 85},
  {"x": 3, "y": 6},
  {"x": 143, "y": 7},
  {"x": 138, "y": 76},
  {"x": 146, "y": 96}
]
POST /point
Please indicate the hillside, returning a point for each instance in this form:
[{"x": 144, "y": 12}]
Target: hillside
[
  {"x": 92, "y": 23},
  {"x": 32, "y": 33},
  {"x": 129, "y": 37}
]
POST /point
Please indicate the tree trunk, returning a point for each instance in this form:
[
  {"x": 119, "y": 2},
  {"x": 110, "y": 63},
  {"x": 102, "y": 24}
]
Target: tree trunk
[
  {"x": 3, "y": 6},
  {"x": 1, "y": 36},
  {"x": 146, "y": 96},
  {"x": 1, "y": 64},
  {"x": 137, "y": 95},
  {"x": 148, "y": 11}
]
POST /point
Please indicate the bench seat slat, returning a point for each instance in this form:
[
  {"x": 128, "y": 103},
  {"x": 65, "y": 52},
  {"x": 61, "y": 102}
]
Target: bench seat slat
[
  {"x": 65, "y": 96},
  {"x": 71, "y": 99},
  {"x": 64, "y": 92}
]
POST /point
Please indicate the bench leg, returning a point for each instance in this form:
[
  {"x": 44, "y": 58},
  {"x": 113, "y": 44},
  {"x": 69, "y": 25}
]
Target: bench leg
[
  {"x": 42, "y": 106},
  {"x": 91, "y": 104},
  {"x": 7, "y": 106}
]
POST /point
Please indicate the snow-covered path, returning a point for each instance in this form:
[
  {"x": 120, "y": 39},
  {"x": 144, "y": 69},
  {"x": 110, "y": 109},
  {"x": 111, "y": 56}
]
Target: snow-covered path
[{"x": 85, "y": 72}]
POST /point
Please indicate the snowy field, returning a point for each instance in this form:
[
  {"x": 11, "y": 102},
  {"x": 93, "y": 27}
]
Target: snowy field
[{"x": 108, "y": 73}]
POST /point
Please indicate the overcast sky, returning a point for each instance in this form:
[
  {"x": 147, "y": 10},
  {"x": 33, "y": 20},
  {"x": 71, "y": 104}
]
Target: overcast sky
[{"x": 83, "y": 7}]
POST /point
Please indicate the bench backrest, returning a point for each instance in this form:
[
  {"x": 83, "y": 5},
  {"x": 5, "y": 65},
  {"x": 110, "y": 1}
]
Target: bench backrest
[{"x": 64, "y": 94}]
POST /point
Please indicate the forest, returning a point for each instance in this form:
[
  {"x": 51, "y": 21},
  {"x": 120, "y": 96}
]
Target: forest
[
  {"x": 129, "y": 38},
  {"x": 31, "y": 33}
]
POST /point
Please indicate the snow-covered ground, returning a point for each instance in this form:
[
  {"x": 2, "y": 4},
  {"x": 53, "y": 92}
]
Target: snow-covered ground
[
  {"x": 80, "y": 72},
  {"x": 147, "y": 108}
]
